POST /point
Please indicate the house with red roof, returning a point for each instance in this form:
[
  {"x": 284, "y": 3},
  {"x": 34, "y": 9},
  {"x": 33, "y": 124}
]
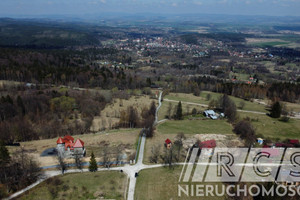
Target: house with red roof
[{"x": 68, "y": 148}]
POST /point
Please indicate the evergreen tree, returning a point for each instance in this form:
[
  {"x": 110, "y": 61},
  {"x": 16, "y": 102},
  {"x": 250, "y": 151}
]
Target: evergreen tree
[
  {"x": 4, "y": 154},
  {"x": 276, "y": 110},
  {"x": 9, "y": 100},
  {"x": 179, "y": 111},
  {"x": 21, "y": 105},
  {"x": 93, "y": 164}
]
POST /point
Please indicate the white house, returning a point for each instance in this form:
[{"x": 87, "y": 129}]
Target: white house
[{"x": 210, "y": 114}]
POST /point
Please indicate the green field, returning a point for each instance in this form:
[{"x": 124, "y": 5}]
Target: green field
[
  {"x": 273, "y": 128},
  {"x": 161, "y": 184},
  {"x": 163, "y": 111},
  {"x": 270, "y": 44},
  {"x": 107, "y": 185},
  {"x": 252, "y": 106},
  {"x": 207, "y": 126}
]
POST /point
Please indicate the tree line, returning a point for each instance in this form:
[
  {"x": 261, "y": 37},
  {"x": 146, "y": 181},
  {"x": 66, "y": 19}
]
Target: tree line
[
  {"x": 47, "y": 113},
  {"x": 17, "y": 171},
  {"x": 282, "y": 91},
  {"x": 130, "y": 118}
]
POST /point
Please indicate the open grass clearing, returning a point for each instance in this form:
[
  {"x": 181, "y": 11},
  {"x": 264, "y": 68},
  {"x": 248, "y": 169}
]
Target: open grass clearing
[
  {"x": 105, "y": 185},
  {"x": 265, "y": 42},
  {"x": 251, "y": 106},
  {"x": 273, "y": 128},
  {"x": 205, "y": 126},
  {"x": 162, "y": 183},
  {"x": 186, "y": 108}
]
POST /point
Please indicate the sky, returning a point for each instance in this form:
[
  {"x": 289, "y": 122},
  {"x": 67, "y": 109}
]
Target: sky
[{"x": 10, "y": 8}]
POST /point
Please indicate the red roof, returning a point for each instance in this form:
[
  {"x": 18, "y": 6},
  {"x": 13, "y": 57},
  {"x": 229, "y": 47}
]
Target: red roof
[
  {"x": 294, "y": 141},
  {"x": 208, "y": 144},
  {"x": 78, "y": 144},
  {"x": 69, "y": 142},
  {"x": 69, "y": 145},
  {"x": 59, "y": 141},
  {"x": 279, "y": 144},
  {"x": 168, "y": 141},
  {"x": 68, "y": 138}
]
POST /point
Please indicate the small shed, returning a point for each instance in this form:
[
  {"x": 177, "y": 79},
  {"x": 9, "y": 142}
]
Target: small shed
[{"x": 168, "y": 143}]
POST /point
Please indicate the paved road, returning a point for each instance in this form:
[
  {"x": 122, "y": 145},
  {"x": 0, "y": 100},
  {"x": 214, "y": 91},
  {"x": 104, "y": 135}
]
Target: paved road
[{"x": 131, "y": 170}]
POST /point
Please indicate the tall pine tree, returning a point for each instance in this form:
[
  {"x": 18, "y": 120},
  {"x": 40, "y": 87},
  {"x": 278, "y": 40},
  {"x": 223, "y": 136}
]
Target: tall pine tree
[
  {"x": 276, "y": 110},
  {"x": 179, "y": 111},
  {"x": 4, "y": 154},
  {"x": 93, "y": 163}
]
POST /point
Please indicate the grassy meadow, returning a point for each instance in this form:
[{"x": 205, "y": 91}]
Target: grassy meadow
[
  {"x": 273, "y": 128},
  {"x": 161, "y": 184},
  {"x": 91, "y": 185},
  {"x": 205, "y": 126},
  {"x": 251, "y": 106}
]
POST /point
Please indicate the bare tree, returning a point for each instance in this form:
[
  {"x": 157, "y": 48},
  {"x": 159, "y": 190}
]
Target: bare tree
[
  {"x": 208, "y": 97},
  {"x": 78, "y": 161},
  {"x": 187, "y": 109},
  {"x": 246, "y": 131},
  {"x": 110, "y": 123},
  {"x": 155, "y": 151},
  {"x": 228, "y": 107},
  {"x": 18, "y": 171},
  {"x": 103, "y": 121},
  {"x": 61, "y": 163},
  {"x": 169, "y": 110},
  {"x": 180, "y": 137},
  {"x": 212, "y": 104},
  {"x": 106, "y": 157},
  {"x": 194, "y": 111},
  {"x": 118, "y": 154},
  {"x": 168, "y": 156},
  {"x": 132, "y": 117},
  {"x": 241, "y": 105}
]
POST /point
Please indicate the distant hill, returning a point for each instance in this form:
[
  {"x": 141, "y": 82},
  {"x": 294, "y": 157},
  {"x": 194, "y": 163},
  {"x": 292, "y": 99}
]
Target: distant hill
[{"x": 43, "y": 34}]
